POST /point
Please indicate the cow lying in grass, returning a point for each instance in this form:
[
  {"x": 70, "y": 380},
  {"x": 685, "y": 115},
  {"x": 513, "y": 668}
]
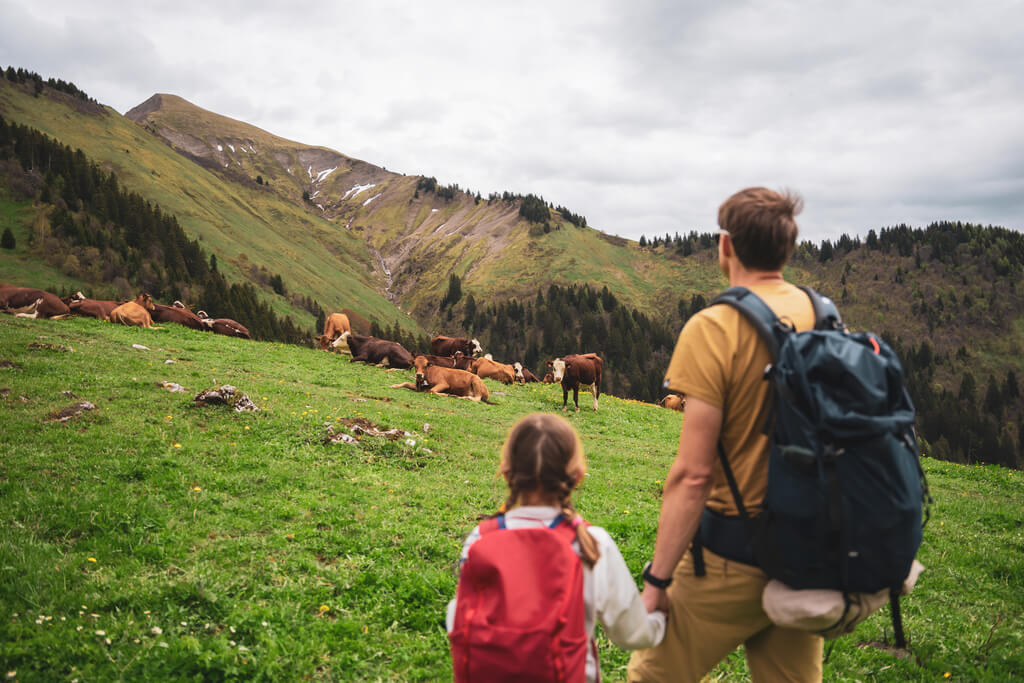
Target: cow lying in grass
[
  {"x": 377, "y": 351},
  {"x": 446, "y": 381},
  {"x": 91, "y": 308},
  {"x": 674, "y": 402},
  {"x": 32, "y": 303},
  {"x": 523, "y": 374},
  {"x": 135, "y": 313},
  {"x": 485, "y": 367}
]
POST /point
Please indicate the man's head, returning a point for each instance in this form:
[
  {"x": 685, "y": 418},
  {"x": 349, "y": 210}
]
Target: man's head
[{"x": 761, "y": 225}]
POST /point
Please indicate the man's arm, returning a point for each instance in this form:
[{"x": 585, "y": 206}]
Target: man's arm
[{"x": 687, "y": 487}]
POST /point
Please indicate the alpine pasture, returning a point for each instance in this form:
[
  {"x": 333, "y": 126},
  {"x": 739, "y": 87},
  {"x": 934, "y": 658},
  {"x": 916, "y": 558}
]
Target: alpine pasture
[{"x": 150, "y": 539}]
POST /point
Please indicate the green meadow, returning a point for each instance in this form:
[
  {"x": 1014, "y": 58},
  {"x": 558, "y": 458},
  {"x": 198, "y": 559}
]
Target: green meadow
[{"x": 151, "y": 539}]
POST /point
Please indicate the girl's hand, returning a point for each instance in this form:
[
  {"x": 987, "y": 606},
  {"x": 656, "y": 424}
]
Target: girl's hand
[{"x": 655, "y": 598}]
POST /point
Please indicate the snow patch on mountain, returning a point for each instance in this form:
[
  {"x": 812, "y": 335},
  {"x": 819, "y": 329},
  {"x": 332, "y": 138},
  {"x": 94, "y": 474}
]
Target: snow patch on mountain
[
  {"x": 372, "y": 198},
  {"x": 323, "y": 174},
  {"x": 356, "y": 189}
]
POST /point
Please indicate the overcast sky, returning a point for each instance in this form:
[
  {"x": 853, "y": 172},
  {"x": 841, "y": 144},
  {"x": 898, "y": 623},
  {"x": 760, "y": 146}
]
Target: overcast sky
[{"x": 642, "y": 116}]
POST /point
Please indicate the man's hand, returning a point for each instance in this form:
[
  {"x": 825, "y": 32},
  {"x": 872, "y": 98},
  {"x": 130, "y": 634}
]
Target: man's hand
[{"x": 655, "y": 598}]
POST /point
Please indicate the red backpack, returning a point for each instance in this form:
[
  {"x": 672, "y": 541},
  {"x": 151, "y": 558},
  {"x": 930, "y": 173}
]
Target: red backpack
[{"x": 519, "y": 609}]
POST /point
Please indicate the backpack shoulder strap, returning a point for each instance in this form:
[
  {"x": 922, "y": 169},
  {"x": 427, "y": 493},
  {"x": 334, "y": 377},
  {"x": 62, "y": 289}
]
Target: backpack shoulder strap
[
  {"x": 757, "y": 312},
  {"x": 492, "y": 524},
  {"x": 561, "y": 526},
  {"x": 826, "y": 315}
]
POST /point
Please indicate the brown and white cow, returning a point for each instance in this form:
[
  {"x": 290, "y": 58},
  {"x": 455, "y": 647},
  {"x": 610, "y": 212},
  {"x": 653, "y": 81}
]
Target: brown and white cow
[
  {"x": 523, "y": 375},
  {"x": 13, "y": 298},
  {"x": 377, "y": 351},
  {"x": 135, "y": 313},
  {"x": 91, "y": 308},
  {"x": 440, "y": 361},
  {"x": 674, "y": 402},
  {"x": 462, "y": 361},
  {"x": 447, "y": 346},
  {"x": 487, "y": 368},
  {"x": 335, "y": 325},
  {"x": 574, "y": 371},
  {"x": 225, "y": 326},
  {"x": 445, "y": 381},
  {"x": 177, "y": 314}
]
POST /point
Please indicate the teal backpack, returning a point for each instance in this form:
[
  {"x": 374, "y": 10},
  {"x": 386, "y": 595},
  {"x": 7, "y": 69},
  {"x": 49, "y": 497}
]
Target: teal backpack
[{"x": 846, "y": 493}]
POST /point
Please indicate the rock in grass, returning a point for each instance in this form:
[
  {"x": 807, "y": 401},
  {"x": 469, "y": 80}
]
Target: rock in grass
[
  {"x": 226, "y": 395},
  {"x": 173, "y": 387}
]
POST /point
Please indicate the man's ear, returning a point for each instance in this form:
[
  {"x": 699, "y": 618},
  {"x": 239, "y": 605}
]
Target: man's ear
[{"x": 726, "y": 242}]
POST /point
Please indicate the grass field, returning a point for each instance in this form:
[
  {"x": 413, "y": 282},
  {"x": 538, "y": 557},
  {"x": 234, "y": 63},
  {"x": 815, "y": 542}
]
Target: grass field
[{"x": 150, "y": 539}]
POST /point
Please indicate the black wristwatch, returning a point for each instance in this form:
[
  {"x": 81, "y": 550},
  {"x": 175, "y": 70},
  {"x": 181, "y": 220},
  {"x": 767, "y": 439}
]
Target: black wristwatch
[{"x": 654, "y": 580}]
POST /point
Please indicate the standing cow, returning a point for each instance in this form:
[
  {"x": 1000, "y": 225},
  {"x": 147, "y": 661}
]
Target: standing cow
[
  {"x": 574, "y": 371},
  {"x": 447, "y": 346}
]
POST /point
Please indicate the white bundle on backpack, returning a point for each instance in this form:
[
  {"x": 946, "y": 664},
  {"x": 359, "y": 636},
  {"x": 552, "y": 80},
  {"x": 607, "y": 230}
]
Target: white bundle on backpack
[{"x": 826, "y": 612}]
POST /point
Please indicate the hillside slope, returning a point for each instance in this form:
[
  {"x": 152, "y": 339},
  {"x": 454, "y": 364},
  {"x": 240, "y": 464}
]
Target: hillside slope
[
  {"x": 246, "y": 227},
  {"x": 419, "y": 232},
  {"x": 151, "y": 539}
]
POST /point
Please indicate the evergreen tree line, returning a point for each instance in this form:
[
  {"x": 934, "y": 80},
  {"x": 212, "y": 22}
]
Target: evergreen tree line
[
  {"x": 680, "y": 245},
  {"x": 945, "y": 241},
  {"x": 972, "y": 425},
  {"x": 99, "y": 232},
  {"x": 22, "y": 76}
]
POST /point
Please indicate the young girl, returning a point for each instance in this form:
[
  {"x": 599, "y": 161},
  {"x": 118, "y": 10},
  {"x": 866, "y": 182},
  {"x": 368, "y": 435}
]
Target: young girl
[{"x": 542, "y": 461}]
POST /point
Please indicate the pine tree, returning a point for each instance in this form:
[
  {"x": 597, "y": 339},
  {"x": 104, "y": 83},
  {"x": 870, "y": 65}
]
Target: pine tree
[{"x": 7, "y": 241}]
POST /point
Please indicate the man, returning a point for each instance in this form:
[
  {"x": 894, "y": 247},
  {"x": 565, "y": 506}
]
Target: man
[{"x": 718, "y": 364}]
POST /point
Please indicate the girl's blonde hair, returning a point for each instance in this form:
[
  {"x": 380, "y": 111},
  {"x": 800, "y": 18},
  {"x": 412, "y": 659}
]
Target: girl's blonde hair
[{"x": 543, "y": 452}]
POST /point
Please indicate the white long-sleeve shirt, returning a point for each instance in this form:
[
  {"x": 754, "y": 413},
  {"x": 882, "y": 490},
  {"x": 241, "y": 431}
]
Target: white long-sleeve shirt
[{"x": 609, "y": 594}]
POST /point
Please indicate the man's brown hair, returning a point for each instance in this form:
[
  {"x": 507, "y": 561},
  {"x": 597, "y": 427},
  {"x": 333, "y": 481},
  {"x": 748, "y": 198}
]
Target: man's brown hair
[{"x": 762, "y": 226}]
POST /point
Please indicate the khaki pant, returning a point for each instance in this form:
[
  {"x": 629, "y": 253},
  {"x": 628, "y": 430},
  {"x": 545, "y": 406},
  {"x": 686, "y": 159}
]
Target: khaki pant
[{"x": 711, "y": 616}]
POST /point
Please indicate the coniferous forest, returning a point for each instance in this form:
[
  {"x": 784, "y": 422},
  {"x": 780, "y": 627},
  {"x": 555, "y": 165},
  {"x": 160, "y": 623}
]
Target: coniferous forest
[{"x": 101, "y": 233}]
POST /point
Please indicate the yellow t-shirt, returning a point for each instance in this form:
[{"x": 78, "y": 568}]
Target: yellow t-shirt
[{"x": 720, "y": 358}]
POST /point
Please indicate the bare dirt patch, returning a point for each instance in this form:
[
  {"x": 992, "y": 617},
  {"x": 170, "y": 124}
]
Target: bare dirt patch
[
  {"x": 70, "y": 412},
  {"x": 51, "y": 347}
]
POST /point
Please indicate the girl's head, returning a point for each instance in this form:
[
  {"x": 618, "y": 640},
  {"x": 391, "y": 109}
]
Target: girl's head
[
  {"x": 542, "y": 458},
  {"x": 542, "y": 461}
]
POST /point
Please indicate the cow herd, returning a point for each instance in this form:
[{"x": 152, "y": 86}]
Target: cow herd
[
  {"x": 26, "y": 302},
  {"x": 456, "y": 366}
]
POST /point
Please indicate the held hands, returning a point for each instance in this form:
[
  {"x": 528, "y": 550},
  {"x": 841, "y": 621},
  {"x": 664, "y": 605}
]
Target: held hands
[{"x": 655, "y": 598}]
